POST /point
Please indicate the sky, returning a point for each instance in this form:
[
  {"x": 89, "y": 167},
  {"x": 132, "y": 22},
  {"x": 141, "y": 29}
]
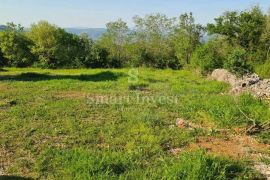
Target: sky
[{"x": 96, "y": 13}]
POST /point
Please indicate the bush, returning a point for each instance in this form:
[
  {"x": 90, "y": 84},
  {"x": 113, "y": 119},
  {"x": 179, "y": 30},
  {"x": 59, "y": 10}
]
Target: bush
[
  {"x": 237, "y": 62},
  {"x": 56, "y": 48},
  {"x": 96, "y": 58},
  {"x": 207, "y": 57},
  {"x": 3, "y": 61},
  {"x": 14, "y": 47}
]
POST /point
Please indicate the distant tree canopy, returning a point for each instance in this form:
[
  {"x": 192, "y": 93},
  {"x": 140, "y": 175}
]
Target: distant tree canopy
[{"x": 239, "y": 40}]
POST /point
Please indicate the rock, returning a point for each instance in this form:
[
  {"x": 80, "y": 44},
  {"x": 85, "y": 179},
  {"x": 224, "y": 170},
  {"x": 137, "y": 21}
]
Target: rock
[
  {"x": 248, "y": 83},
  {"x": 248, "y": 80},
  {"x": 181, "y": 123},
  {"x": 263, "y": 169},
  {"x": 223, "y": 75}
]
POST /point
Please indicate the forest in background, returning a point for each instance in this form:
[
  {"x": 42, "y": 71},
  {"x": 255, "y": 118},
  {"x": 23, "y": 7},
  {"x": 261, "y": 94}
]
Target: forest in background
[{"x": 240, "y": 42}]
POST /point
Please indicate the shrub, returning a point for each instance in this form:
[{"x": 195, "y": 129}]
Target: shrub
[
  {"x": 55, "y": 48},
  {"x": 3, "y": 61},
  {"x": 207, "y": 57},
  {"x": 237, "y": 62},
  {"x": 15, "y": 47}
]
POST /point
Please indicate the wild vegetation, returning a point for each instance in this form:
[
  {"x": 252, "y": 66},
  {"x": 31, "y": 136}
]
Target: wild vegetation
[
  {"x": 79, "y": 124},
  {"x": 239, "y": 41},
  {"x": 75, "y": 108}
]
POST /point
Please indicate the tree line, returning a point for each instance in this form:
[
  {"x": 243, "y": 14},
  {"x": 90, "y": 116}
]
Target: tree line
[{"x": 238, "y": 41}]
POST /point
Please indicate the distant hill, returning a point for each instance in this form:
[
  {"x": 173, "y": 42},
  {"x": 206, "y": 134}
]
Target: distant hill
[
  {"x": 94, "y": 33},
  {"x": 2, "y": 27}
]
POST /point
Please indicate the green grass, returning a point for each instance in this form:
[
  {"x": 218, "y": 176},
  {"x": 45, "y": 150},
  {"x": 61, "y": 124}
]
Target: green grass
[
  {"x": 83, "y": 164},
  {"x": 53, "y": 126},
  {"x": 263, "y": 70}
]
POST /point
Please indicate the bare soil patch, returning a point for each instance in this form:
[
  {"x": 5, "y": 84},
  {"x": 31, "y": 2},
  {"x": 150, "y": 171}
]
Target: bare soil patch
[{"x": 236, "y": 146}]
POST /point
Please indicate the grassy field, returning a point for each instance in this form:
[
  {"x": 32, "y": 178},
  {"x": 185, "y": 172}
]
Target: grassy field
[{"x": 109, "y": 124}]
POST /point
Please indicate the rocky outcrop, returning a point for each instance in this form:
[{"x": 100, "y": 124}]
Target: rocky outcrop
[
  {"x": 223, "y": 75},
  {"x": 248, "y": 83}
]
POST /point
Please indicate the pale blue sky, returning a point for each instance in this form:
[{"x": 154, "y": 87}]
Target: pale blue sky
[{"x": 96, "y": 13}]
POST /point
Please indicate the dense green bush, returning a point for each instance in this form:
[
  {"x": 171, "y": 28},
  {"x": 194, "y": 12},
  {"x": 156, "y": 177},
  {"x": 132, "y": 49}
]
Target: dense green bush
[
  {"x": 97, "y": 57},
  {"x": 248, "y": 32},
  {"x": 237, "y": 62},
  {"x": 15, "y": 46},
  {"x": 53, "y": 46},
  {"x": 3, "y": 61},
  {"x": 207, "y": 58}
]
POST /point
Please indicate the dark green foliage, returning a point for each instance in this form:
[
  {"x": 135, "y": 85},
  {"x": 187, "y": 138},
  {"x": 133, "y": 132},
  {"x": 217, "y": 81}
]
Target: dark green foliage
[
  {"x": 15, "y": 47},
  {"x": 248, "y": 29},
  {"x": 3, "y": 60},
  {"x": 241, "y": 42},
  {"x": 96, "y": 58},
  {"x": 244, "y": 28},
  {"x": 54, "y": 47},
  {"x": 207, "y": 57},
  {"x": 237, "y": 62}
]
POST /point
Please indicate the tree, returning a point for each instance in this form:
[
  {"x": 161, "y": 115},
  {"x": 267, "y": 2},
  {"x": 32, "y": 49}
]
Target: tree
[
  {"x": 15, "y": 46},
  {"x": 211, "y": 55},
  {"x": 187, "y": 37},
  {"x": 266, "y": 36},
  {"x": 245, "y": 29},
  {"x": 46, "y": 43},
  {"x": 114, "y": 41},
  {"x": 151, "y": 36},
  {"x": 237, "y": 62},
  {"x": 2, "y": 59},
  {"x": 90, "y": 54},
  {"x": 54, "y": 47}
]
